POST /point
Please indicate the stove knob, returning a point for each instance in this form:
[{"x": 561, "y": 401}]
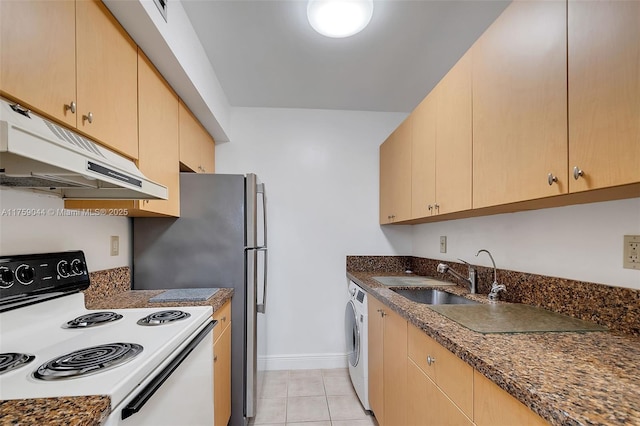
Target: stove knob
[
  {"x": 77, "y": 267},
  {"x": 63, "y": 268},
  {"x": 352, "y": 291},
  {"x": 25, "y": 274},
  {"x": 6, "y": 277}
]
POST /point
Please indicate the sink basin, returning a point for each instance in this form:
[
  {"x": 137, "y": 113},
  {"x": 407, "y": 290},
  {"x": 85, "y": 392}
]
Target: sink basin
[
  {"x": 434, "y": 297},
  {"x": 411, "y": 281}
]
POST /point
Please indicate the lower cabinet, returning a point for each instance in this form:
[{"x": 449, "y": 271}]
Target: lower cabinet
[
  {"x": 222, "y": 366},
  {"x": 415, "y": 381},
  {"x": 387, "y": 365},
  {"x": 493, "y": 406}
]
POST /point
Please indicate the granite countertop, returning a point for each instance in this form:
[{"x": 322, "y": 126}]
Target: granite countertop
[
  {"x": 90, "y": 410},
  {"x": 69, "y": 411},
  {"x": 568, "y": 378}
]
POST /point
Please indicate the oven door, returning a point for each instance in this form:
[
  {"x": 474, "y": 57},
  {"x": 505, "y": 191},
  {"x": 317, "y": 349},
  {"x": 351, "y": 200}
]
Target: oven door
[{"x": 179, "y": 392}]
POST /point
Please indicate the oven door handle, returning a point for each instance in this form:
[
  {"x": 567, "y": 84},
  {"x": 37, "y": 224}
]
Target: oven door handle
[{"x": 138, "y": 402}]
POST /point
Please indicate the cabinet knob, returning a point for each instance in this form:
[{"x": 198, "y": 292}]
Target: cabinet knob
[
  {"x": 70, "y": 107},
  {"x": 577, "y": 173},
  {"x": 430, "y": 207},
  {"x": 224, "y": 318},
  {"x": 88, "y": 117},
  {"x": 430, "y": 360},
  {"x": 215, "y": 358},
  {"x": 551, "y": 178},
  {"x": 437, "y": 207}
]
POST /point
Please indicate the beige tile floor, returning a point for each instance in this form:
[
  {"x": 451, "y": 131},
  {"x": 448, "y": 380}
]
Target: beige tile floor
[{"x": 309, "y": 398}]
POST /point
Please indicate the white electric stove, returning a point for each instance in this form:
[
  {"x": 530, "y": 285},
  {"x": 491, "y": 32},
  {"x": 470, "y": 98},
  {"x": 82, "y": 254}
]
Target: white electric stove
[{"x": 156, "y": 364}]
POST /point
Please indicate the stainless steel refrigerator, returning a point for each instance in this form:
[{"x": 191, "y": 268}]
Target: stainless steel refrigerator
[{"x": 219, "y": 240}]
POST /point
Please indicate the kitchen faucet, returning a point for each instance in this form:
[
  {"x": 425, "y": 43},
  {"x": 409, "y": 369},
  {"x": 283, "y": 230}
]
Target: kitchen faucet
[
  {"x": 495, "y": 287},
  {"x": 471, "y": 281}
]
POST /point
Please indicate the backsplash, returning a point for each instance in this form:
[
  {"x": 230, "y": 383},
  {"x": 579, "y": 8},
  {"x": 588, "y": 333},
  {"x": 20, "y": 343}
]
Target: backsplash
[
  {"x": 616, "y": 308},
  {"x": 107, "y": 283}
]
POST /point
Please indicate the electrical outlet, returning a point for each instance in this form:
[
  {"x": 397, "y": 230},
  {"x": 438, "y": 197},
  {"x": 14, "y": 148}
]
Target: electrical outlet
[
  {"x": 115, "y": 245},
  {"x": 631, "y": 252},
  {"x": 443, "y": 244}
]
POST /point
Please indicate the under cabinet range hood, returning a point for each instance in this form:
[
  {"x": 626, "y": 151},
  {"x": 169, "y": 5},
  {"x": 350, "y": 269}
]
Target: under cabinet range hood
[{"x": 36, "y": 153}]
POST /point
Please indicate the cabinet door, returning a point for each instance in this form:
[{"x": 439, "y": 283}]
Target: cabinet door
[
  {"x": 222, "y": 377},
  {"x": 395, "y": 369},
  {"x": 376, "y": 342},
  {"x": 427, "y": 405},
  {"x": 604, "y": 93},
  {"x": 158, "y": 121},
  {"x": 395, "y": 175},
  {"x": 520, "y": 105},
  {"x": 453, "y": 152},
  {"x": 495, "y": 407},
  {"x": 196, "y": 145},
  {"x": 106, "y": 79},
  {"x": 423, "y": 157},
  {"x": 38, "y": 55}
]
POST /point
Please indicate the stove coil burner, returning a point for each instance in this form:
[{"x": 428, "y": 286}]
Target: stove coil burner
[
  {"x": 11, "y": 360},
  {"x": 83, "y": 362},
  {"x": 92, "y": 319},
  {"x": 163, "y": 317}
]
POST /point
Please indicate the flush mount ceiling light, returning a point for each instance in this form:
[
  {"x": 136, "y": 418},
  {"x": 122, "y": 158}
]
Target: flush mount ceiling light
[{"x": 339, "y": 18}]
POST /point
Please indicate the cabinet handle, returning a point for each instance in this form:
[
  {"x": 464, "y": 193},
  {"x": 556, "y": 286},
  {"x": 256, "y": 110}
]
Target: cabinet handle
[
  {"x": 551, "y": 178},
  {"x": 224, "y": 318},
  {"x": 430, "y": 207},
  {"x": 430, "y": 360},
  {"x": 88, "y": 117},
  {"x": 577, "y": 173},
  {"x": 215, "y": 358},
  {"x": 382, "y": 314},
  {"x": 71, "y": 107},
  {"x": 437, "y": 207}
]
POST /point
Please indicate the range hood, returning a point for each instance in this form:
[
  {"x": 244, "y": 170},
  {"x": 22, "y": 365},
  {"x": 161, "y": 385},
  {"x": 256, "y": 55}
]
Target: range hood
[{"x": 36, "y": 153}]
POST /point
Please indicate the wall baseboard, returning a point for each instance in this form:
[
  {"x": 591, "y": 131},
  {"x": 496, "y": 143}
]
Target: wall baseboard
[{"x": 302, "y": 361}]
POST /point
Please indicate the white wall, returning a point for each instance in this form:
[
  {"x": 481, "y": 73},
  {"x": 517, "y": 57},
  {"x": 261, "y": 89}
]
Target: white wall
[
  {"x": 321, "y": 175},
  {"x": 581, "y": 242},
  {"x": 21, "y": 234}
]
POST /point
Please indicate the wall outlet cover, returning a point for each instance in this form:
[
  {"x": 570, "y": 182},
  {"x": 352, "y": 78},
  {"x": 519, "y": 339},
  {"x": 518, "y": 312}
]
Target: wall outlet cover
[
  {"x": 631, "y": 252},
  {"x": 443, "y": 244},
  {"x": 114, "y": 245}
]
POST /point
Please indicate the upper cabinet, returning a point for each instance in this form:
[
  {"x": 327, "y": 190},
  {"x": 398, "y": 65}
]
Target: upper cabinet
[
  {"x": 38, "y": 56},
  {"x": 441, "y": 146},
  {"x": 395, "y": 175},
  {"x": 520, "y": 105},
  {"x": 52, "y": 48},
  {"x": 197, "y": 148},
  {"x": 604, "y": 93},
  {"x": 106, "y": 78}
]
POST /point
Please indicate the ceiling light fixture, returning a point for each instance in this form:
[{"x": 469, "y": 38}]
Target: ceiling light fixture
[{"x": 339, "y": 18}]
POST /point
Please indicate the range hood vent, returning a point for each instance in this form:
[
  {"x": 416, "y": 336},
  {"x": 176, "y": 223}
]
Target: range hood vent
[{"x": 36, "y": 153}]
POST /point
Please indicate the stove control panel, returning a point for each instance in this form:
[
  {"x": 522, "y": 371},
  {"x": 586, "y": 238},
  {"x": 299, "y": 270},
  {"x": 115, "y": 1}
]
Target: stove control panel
[{"x": 29, "y": 275}]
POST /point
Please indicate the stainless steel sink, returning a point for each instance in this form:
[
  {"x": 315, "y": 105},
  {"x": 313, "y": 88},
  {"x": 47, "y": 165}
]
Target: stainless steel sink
[{"x": 434, "y": 297}]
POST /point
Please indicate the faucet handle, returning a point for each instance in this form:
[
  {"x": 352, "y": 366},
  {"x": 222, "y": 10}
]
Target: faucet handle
[{"x": 464, "y": 261}]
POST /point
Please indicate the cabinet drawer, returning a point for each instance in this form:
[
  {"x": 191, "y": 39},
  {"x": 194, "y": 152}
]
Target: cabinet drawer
[
  {"x": 448, "y": 372},
  {"x": 223, "y": 316}
]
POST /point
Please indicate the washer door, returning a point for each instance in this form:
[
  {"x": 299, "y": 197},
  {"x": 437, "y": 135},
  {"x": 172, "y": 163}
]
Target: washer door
[{"x": 352, "y": 333}]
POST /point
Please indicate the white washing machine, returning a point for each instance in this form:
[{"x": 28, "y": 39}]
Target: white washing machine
[{"x": 356, "y": 331}]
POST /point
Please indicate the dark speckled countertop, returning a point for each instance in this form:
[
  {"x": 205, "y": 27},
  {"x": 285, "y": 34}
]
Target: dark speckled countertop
[
  {"x": 567, "y": 378},
  {"x": 90, "y": 410}
]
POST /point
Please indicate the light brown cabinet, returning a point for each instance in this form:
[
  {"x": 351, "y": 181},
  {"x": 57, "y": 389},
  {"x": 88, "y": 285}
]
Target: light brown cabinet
[
  {"x": 495, "y": 407},
  {"x": 197, "y": 148},
  {"x": 38, "y": 56},
  {"x": 441, "y": 157},
  {"x": 520, "y": 105},
  {"x": 604, "y": 93},
  {"x": 73, "y": 62},
  {"x": 387, "y": 364},
  {"x": 106, "y": 59},
  {"x": 158, "y": 146},
  {"x": 430, "y": 406},
  {"x": 222, "y": 365},
  {"x": 395, "y": 175}
]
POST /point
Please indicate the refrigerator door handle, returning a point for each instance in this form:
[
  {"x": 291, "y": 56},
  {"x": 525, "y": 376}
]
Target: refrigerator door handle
[
  {"x": 260, "y": 189},
  {"x": 261, "y": 306}
]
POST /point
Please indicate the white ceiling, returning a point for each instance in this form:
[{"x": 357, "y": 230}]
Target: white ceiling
[{"x": 265, "y": 54}]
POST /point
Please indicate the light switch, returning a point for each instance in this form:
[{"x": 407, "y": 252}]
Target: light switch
[
  {"x": 631, "y": 252},
  {"x": 443, "y": 244},
  {"x": 115, "y": 245}
]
